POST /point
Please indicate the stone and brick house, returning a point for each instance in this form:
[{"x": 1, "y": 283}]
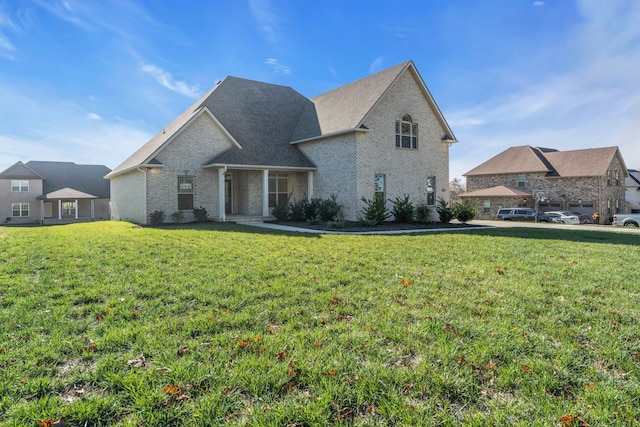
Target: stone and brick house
[
  {"x": 632, "y": 194},
  {"x": 583, "y": 181},
  {"x": 246, "y": 145},
  {"x": 53, "y": 193}
]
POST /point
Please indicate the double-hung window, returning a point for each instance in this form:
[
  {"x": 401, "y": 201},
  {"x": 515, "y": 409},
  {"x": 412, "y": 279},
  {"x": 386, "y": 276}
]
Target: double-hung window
[
  {"x": 406, "y": 133},
  {"x": 20, "y": 209},
  {"x": 19, "y": 186},
  {"x": 185, "y": 192},
  {"x": 278, "y": 188},
  {"x": 379, "y": 185},
  {"x": 522, "y": 181}
]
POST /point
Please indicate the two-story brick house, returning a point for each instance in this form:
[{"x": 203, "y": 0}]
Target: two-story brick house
[
  {"x": 53, "y": 193},
  {"x": 245, "y": 145},
  {"x": 584, "y": 181}
]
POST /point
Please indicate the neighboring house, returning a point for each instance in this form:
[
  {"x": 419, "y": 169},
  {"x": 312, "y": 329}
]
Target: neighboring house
[
  {"x": 246, "y": 145},
  {"x": 53, "y": 193},
  {"x": 632, "y": 195},
  {"x": 583, "y": 181}
]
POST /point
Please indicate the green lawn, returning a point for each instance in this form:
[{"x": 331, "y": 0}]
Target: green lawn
[{"x": 110, "y": 324}]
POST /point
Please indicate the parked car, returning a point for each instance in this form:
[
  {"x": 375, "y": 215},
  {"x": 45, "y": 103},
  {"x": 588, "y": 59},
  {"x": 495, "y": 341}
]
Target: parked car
[
  {"x": 632, "y": 220},
  {"x": 584, "y": 218},
  {"x": 521, "y": 214},
  {"x": 563, "y": 217}
]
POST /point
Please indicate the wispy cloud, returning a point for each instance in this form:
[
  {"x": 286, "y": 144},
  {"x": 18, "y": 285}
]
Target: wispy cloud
[
  {"x": 277, "y": 66},
  {"x": 377, "y": 64},
  {"x": 587, "y": 105},
  {"x": 7, "y": 48},
  {"x": 538, "y": 3},
  {"x": 267, "y": 19},
  {"x": 93, "y": 116},
  {"x": 166, "y": 79}
]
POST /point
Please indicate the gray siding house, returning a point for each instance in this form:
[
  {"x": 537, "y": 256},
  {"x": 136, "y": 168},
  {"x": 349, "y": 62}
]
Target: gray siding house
[
  {"x": 53, "y": 193},
  {"x": 583, "y": 181},
  {"x": 245, "y": 145}
]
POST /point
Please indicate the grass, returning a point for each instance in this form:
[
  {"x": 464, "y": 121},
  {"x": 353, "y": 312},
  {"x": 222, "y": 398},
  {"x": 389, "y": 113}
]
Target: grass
[{"x": 110, "y": 324}]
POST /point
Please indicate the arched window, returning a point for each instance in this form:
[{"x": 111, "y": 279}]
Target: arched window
[{"x": 406, "y": 133}]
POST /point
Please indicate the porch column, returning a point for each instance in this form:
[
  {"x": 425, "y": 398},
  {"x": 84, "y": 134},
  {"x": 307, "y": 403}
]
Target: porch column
[
  {"x": 41, "y": 211},
  {"x": 265, "y": 192},
  {"x": 77, "y": 208},
  {"x": 309, "y": 185},
  {"x": 92, "y": 211},
  {"x": 221, "y": 207},
  {"x": 59, "y": 208}
]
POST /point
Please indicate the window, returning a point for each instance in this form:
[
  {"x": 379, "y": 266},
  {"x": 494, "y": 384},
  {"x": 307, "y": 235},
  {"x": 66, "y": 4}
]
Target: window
[
  {"x": 20, "y": 209},
  {"x": 522, "y": 181},
  {"x": 19, "y": 186},
  {"x": 185, "y": 192},
  {"x": 431, "y": 190},
  {"x": 617, "y": 177},
  {"x": 486, "y": 207},
  {"x": 406, "y": 133},
  {"x": 379, "y": 183},
  {"x": 278, "y": 188},
  {"x": 609, "y": 178},
  {"x": 69, "y": 208}
]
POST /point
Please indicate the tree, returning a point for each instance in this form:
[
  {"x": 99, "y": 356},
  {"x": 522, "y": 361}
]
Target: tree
[{"x": 456, "y": 186}]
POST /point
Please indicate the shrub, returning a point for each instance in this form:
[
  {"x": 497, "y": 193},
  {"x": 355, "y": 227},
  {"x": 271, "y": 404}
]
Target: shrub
[
  {"x": 403, "y": 209},
  {"x": 424, "y": 214},
  {"x": 374, "y": 212},
  {"x": 328, "y": 209},
  {"x": 446, "y": 213},
  {"x": 465, "y": 211},
  {"x": 281, "y": 210},
  {"x": 200, "y": 214},
  {"x": 177, "y": 217},
  {"x": 312, "y": 208},
  {"x": 296, "y": 210},
  {"x": 338, "y": 221},
  {"x": 156, "y": 217}
]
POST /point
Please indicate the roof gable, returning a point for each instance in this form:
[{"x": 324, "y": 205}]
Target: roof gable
[
  {"x": 497, "y": 191},
  {"x": 19, "y": 171},
  {"x": 513, "y": 160}
]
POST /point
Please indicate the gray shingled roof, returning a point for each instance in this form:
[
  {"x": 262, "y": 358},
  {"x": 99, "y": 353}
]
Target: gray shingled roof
[
  {"x": 264, "y": 119},
  {"x": 87, "y": 179},
  {"x": 19, "y": 171},
  {"x": 527, "y": 159}
]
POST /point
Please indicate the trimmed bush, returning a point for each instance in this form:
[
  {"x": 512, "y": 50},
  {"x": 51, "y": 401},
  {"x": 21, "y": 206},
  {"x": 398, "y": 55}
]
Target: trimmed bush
[
  {"x": 444, "y": 211},
  {"x": 328, "y": 209},
  {"x": 403, "y": 209},
  {"x": 424, "y": 214},
  {"x": 465, "y": 211},
  {"x": 296, "y": 210},
  {"x": 281, "y": 210},
  {"x": 200, "y": 214},
  {"x": 374, "y": 212}
]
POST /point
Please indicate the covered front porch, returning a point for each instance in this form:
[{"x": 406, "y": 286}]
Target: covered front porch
[
  {"x": 248, "y": 194},
  {"x": 68, "y": 205}
]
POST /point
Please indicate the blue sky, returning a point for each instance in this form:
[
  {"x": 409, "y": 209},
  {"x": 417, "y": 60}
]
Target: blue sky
[{"x": 91, "y": 81}]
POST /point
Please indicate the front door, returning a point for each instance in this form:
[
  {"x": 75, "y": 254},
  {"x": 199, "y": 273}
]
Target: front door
[{"x": 228, "y": 195}]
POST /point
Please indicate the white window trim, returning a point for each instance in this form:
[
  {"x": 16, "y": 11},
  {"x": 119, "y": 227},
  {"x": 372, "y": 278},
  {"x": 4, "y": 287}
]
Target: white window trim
[
  {"x": 22, "y": 186},
  {"x": 413, "y": 133},
  {"x": 21, "y": 209}
]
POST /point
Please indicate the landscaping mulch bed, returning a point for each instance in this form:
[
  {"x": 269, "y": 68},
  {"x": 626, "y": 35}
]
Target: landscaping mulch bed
[{"x": 355, "y": 227}]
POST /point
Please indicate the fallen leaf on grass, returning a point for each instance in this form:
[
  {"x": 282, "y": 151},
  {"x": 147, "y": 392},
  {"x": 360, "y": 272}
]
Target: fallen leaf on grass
[
  {"x": 281, "y": 356},
  {"x": 526, "y": 369},
  {"x": 319, "y": 344},
  {"x": 243, "y": 343},
  {"x": 140, "y": 362},
  {"x": 405, "y": 282},
  {"x": 500, "y": 272},
  {"x": 331, "y": 373},
  {"x": 182, "y": 351},
  {"x": 171, "y": 389},
  {"x": 47, "y": 422},
  {"x": 90, "y": 347}
]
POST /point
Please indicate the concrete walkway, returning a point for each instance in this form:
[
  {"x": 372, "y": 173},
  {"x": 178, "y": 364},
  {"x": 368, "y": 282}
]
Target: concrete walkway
[{"x": 488, "y": 224}]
